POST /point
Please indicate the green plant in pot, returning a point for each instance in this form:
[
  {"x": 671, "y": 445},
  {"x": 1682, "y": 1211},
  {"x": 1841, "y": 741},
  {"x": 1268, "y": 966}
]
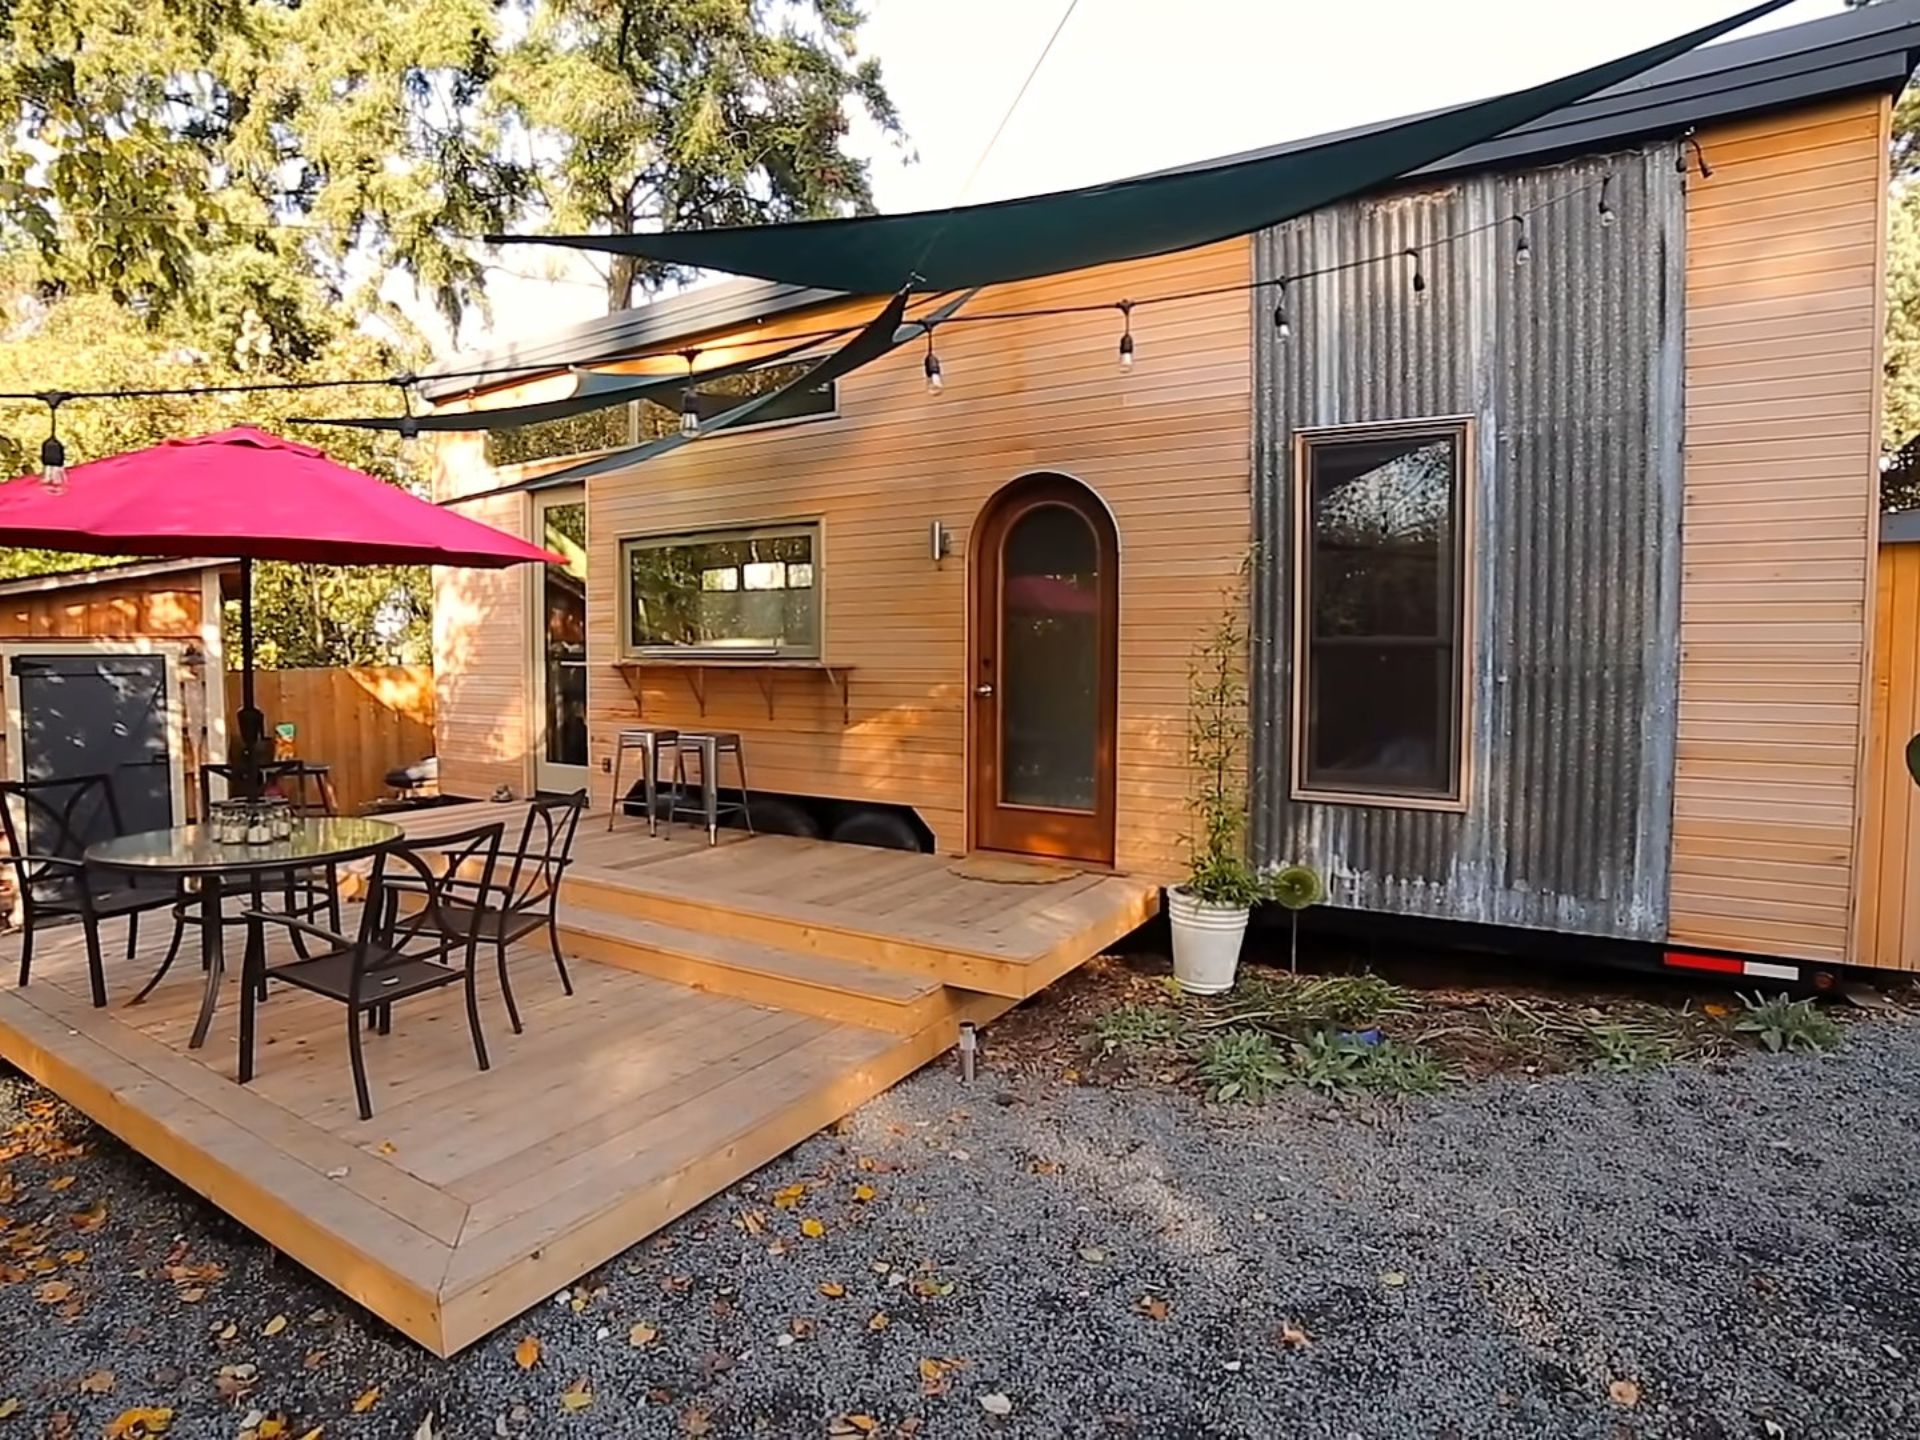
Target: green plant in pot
[{"x": 1208, "y": 911}]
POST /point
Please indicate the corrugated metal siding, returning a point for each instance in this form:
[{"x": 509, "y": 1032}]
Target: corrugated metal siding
[{"x": 1572, "y": 367}]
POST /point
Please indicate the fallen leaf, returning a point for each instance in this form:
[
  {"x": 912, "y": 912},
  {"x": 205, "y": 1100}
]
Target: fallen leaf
[
  {"x": 193, "y": 1295},
  {"x": 9, "y": 1407},
  {"x": 527, "y": 1353},
  {"x": 812, "y": 1228},
  {"x": 271, "y": 1428},
  {"x": 1719, "y": 1012},
  {"x": 789, "y": 1196},
  {"x": 864, "y": 1193},
  {"x": 234, "y": 1382},
  {"x": 52, "y": 1292},
  {"x": 996, "y": 1404},
  {"x": 366, "y": 1400},
  {"x": 880, "y": 1321},
  {"x": 387, "y": 1147},
  {"x": 577, "y": 1396},
  {"x": 696, "y": 1422},
  {"x": 313, "y": 1434},
  {"x": 1624, "y": 1393},
  {"x": 1393, "y": 1279},
  {"x": 142, "y": 1420},
  {"x": 1093, "y": 1254},
  {"x": 274, "y": 1326},
  {"x": 91, "y": 1218},
  {"x": 862, "y": 1424},
  {"x": 1292, "y": 1336},
  {"x": 97, "y": 1382},
  {"x": 832, "y": 1289},
  {"x": 800, "y": 1327},
  {"x": 1153, "y": 1307},
  {"x": 751, "y": 1222},
  {"x": 642, "y": 1334},
  {"x": 72, "y": 1257},
  {"x": 61, "y": 1182}
]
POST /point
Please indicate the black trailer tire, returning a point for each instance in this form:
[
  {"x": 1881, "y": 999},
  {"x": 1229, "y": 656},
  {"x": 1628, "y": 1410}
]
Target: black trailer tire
[
  {"x": 774, "y": 816},
  {"x": 883, "y": 829}
]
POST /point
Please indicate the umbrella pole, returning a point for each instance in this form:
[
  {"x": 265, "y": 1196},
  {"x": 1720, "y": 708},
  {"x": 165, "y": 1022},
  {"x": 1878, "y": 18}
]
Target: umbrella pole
[{"x": 252, "y": 723}]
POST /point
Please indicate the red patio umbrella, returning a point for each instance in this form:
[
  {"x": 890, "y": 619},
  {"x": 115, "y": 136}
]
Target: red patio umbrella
[{"x": 253, "y": 496}]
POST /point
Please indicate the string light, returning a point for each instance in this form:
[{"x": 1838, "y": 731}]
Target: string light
[
  {"x": 689, "y": 403},
  {"x": 932, "y": 366},
  {"x": 1280, "y": 323},
  {"x": 409, "y": 422},
  {"x": 1606, "y": 210},
  {"x": 1522, "y": 250},
  {"x": 53, "y": 455},
  {"x": 1126, "y": 335},
  {"x": 1419, "y": 280}
]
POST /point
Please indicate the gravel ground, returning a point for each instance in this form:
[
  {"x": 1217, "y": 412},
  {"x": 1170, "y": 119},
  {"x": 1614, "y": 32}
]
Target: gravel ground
[{"x": 1714, "y": 1251}]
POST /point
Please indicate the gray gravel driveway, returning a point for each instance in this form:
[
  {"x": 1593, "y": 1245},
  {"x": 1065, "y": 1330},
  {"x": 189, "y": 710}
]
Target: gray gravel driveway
[{"x": 1705, "y": 1252}]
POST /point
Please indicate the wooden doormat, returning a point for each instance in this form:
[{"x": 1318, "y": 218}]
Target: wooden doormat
[{"x": 1003, "y": 870}]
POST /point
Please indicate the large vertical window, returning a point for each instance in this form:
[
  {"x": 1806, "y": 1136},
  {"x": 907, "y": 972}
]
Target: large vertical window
[{"x": 1379, "y": 661}]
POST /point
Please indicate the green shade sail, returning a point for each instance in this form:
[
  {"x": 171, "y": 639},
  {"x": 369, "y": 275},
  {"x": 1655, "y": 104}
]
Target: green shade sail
[
  {"x": 1127, "y": 220},
  {"x": 884, "y": 333},
  {"x": 592, "y": 390}
]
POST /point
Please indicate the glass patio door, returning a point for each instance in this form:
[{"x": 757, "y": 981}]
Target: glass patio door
[{"x": 560, "y": 642}]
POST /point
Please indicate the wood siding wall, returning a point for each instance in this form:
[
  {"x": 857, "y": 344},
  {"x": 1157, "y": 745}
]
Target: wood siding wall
[
  {"x": 1889, "y": 930},
  {"x": 1784, "y": 253},
  {"x": 482, "y": 644},
  {"x": 1167, "y": 447},
  {"x": 362, "y": 720}
]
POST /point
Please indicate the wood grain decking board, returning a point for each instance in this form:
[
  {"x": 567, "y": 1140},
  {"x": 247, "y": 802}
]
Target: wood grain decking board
[{"x": 463, "y": 1201}]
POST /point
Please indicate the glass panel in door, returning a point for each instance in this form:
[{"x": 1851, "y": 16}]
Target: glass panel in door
[
  {"x": 561, "y": 756},
  {"x": 1050, "y": 661}
]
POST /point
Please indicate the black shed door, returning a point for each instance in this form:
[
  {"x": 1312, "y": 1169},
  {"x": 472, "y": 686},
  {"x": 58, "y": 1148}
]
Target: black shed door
[{"x": 84, "y": 714}]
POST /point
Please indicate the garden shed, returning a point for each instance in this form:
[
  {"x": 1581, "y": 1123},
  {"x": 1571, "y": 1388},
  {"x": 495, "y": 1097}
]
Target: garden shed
[{"x": 117, "y": 664}]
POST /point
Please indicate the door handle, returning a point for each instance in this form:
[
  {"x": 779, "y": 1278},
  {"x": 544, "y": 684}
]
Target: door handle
[{"x": 983, "y": 691}]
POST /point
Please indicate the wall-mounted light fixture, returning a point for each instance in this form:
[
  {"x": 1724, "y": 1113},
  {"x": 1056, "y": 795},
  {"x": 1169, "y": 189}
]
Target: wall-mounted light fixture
[{"x": 939, "y": 541}]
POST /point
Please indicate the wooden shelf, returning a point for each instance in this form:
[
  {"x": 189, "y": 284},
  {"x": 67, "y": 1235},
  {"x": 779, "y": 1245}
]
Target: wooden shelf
[{"x": 763, "y": 668}]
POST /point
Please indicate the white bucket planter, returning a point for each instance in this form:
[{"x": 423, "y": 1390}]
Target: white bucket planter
[{"x": 1206, "y": 942}]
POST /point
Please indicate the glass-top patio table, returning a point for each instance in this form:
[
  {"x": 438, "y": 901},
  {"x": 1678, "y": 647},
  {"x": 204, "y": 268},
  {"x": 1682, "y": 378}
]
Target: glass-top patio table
[{"x": 191, "y": 851}]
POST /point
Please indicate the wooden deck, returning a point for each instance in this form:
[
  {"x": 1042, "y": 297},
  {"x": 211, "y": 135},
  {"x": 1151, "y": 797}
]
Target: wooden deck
[{"x": 747, "y": 995}]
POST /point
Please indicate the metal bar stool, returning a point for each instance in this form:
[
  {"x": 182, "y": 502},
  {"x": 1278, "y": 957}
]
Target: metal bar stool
[
  {"x": 709, "y": 745},
  {"x": 652, "y": 742}
]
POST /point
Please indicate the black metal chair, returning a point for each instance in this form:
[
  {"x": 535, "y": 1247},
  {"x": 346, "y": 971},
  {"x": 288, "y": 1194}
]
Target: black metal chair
[
  {"x": 56, "y": 821},
  {"x": 401, "y": 949},
  {"x": 527, "y": 899}
]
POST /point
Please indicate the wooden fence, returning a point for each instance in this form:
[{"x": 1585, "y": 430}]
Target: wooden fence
[{"x": 362, "y": 721}]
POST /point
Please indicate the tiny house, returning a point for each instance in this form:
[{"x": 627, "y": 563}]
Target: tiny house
[{"x": 1552, "y": 469}]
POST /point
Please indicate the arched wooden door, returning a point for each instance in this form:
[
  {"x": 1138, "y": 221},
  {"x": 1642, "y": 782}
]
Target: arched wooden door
[{"x": 1046, "y": 660}]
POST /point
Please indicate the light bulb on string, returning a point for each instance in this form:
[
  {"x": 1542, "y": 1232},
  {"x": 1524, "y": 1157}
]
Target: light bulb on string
[
  {"x": 53, "y": 455},
  {"x": 1522, "y": 250},
  {"x": 1126, "y": 335},
  {"x": 1282, "y": 326},
  {"x": 409, "y": 422},
  {"x": 1419, "y": 280},
  {"x": 1606, "y": 207},
  {"x": 689, "y": 402},
  {"x": 932, "y": 367}
]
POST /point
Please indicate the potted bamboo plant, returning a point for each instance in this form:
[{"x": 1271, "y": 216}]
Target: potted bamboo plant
[{"x": 1208, "y": 911}]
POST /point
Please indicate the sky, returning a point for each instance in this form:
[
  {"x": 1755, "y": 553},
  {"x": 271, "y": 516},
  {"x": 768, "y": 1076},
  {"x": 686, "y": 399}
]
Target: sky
[{"x": 1124, "y": 91}]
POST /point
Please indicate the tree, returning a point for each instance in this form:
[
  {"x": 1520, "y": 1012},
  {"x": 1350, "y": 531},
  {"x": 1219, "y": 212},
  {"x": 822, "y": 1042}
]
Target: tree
[
  {"x": 202, "y": 192},
  {"x": 673, "y": 114},
  {"x": 306, "y": 614}
]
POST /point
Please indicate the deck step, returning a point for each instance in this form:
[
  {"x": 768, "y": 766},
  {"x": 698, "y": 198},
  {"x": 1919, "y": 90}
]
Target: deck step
[
  {"x": 952, "y": 952},
  {"x": 847, "y": 991}
]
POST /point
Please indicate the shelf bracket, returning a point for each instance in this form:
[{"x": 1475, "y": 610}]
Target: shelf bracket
[
  {"x": 841, "y": 679},
  {"x": 697, "y": 682},
  {"x": 765, "y": 678}
]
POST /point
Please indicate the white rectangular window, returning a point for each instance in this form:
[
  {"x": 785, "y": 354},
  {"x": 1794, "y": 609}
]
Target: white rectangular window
[{"x": 722, "y": 593}]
